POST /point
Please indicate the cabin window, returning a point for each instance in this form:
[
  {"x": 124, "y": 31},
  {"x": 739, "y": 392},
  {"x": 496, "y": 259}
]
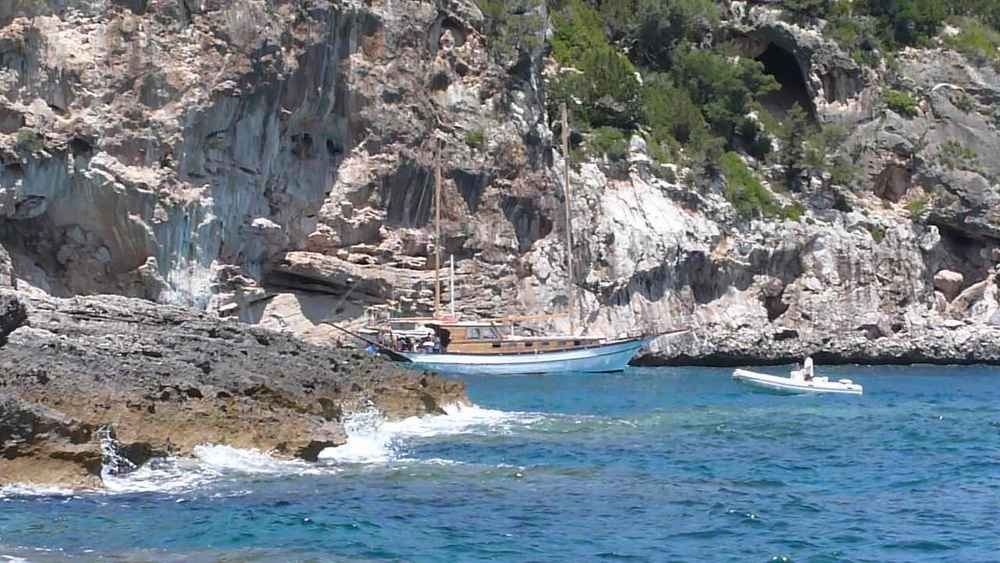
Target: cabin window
[
  {"x": 490, "y": 333},
  {"x": 496, "y": 344},
  {"x": 576, "y": 343},
  {"x": 472, "y": 333},
  {"x": 529, "y": 344}
]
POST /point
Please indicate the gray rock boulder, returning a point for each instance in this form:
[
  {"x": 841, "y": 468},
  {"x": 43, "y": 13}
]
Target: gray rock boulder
[{"x": 949, "y": 283}]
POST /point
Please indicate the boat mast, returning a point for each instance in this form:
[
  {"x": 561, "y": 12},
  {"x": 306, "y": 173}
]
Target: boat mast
[
  {"x": 570, "y": 293},
  {"x": 452, "y": 299},
  {"x": 437, "y": 231}
]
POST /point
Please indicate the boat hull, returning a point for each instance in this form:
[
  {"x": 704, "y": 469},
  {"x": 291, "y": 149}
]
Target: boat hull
[
  {"x": 610, "y": 357},
  {"x": 789, "y": 386}
]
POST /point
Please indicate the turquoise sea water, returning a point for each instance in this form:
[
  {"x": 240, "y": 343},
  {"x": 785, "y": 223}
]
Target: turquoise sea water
[{"x": 649, "y": 465}]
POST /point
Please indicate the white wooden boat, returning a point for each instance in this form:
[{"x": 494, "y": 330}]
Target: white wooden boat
[
  {"x": 599, "y": 357},
  {"x": 801, "y": 382}
]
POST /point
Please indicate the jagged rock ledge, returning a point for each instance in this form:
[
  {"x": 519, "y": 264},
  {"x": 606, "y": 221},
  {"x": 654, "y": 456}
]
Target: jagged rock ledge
[
  {"x": 953, "y": 343},
  {"x": 169, "y": 379}
]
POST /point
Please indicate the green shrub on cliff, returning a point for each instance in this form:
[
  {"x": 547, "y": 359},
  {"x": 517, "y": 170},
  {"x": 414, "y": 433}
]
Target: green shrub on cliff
[
  {"x": 723, "y": 87},
  {"x": 512, "y": 28},
  {"x": 744, "y": 191},
  {"x": 660, "y": 26},
  {"x": 976, "y": 41},
  {"x": 901, "y": 102},
  {"x": 601, "y": 83},
  {"x": 956, "y": 156},
  {"x": 917, "y": 206},
  {"x": 609, "y": 142},
  {"x": 907, "y": 22},
  {"x": 475, "y": 138},
  {"x": 669, "y": 111},
  {"x": 29, "y": 140}
]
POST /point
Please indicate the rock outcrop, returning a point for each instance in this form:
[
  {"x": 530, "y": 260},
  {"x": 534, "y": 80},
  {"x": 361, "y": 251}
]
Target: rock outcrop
[
  {"x": 949, "y": 283},
  {"x": 168, "y": 378}
]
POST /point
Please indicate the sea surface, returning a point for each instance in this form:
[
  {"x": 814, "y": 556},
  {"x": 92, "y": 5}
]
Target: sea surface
[{"x": 647, "y": 465}]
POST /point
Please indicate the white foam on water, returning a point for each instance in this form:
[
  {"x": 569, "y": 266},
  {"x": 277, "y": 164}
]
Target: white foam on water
[
  {"x": 230, "y": 459},
  {"x": 28, "y": 490},
  {"x": 372, "y": 440},
  {"x": 210, "y": 463},
  {"x": 169, "y": 475},
  {"x": 368, "y": 441}
]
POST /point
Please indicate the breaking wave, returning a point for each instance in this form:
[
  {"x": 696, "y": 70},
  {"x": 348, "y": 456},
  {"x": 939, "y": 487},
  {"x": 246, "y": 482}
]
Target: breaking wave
[{"x": 371, "y": 440}]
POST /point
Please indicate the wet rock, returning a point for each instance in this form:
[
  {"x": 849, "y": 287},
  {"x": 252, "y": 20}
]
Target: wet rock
[
  {"x": 40, "y": 445},
  {"x": 92, "y": 361}
]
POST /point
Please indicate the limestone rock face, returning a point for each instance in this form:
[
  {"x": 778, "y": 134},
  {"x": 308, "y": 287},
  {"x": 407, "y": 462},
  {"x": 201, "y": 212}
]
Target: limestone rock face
[{"x": 168, "y": 379}]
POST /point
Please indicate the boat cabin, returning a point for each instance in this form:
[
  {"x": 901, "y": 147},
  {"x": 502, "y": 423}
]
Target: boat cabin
[{"x": 478, "y": 337}]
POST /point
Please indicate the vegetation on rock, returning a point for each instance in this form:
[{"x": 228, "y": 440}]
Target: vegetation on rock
[
  {"x": 30, "y": 140},
  {"x": 976, "y": 40},
  {"x": 901, "y": 102},
  {"x": 744, "y": 191}
]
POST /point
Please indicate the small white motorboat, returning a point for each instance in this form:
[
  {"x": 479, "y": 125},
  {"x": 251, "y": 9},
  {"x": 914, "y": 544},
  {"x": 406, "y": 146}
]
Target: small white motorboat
[{"x": 801, "y": 381}]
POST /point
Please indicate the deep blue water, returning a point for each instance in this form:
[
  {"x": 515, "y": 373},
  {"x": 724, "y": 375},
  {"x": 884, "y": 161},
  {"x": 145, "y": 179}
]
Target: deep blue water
[{"x": 649, "y": 465}]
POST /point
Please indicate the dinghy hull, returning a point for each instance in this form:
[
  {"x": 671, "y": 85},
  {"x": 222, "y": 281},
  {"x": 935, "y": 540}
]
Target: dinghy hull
[{"x": 790, "y": 386}]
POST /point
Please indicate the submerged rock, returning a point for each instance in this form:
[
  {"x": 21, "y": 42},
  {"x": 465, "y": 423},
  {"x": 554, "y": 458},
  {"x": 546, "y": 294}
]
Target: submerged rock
[{"x": 169, "y": 379}]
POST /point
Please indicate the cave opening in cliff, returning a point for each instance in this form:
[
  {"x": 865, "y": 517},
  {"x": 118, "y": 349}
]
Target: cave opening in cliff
[{"x": 784, "y": 67}]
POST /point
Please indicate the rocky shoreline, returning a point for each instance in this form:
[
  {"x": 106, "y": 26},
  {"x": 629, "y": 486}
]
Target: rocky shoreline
[{"x": 168, "y": 379}]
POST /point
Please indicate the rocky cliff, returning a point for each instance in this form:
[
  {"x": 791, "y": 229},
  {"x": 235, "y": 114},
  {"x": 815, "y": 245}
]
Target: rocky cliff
[{"x": 274, "y": 162}]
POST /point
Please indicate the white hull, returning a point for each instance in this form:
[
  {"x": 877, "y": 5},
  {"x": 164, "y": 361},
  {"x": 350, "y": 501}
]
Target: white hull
[
  {"x": 609, "y": 357},
  {"x": 797, "y": 386}
]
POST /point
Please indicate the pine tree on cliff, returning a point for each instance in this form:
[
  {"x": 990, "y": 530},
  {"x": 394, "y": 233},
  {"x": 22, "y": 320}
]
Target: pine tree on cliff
[{"x": 796, "y": 130}]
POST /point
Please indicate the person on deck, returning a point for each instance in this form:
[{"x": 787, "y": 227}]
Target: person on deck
[{"x": 807, "y": 369}]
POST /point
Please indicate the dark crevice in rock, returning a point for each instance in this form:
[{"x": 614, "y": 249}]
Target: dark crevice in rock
[
  {"x": 785, "y": 68},
  {"x": 471, "y": 185},
  {"x": 528, "y": 218},
  {"x": 958, "y": 251},
  {"x": 775, "y": 307},
  {"x": 13, "y": 315},
  {"x": 894, "y": 182},
  {"x": 408, "y": 196}
]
